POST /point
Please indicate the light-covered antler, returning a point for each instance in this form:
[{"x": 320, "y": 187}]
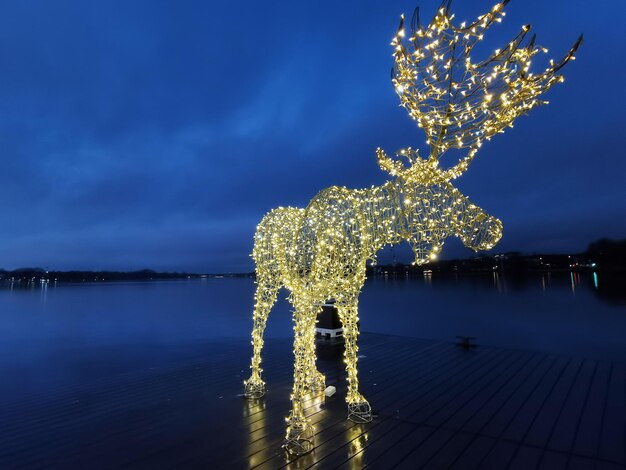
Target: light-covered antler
[{"x": 458, "y": 102}]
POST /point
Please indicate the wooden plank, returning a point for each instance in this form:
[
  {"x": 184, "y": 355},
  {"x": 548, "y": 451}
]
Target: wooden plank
[
  {"x": 588, "y": 435},
  {"x": 75, "y": 402},
  {"x": 551, "y": 460},
  {"x": 525, "y": 458},
  {"x": 504, "y": 396},
  {"x": 613, "y": 437},
  {"x": 206, "y": 354},
  {"x": 427, "y": 395},
  {"x": 439, "y": 372},
  {"x": 455, "y": 418},
  {"x": 334, "y": 375},
  {"x": 88, "y": 400},
  {"x": 566, "y": 427},
  {"x": 431, "y": 384},
  {"x": 472, "y": 457},
  {"x": 387, "y": 459},
  {"x": 409, "y": 443},
  {"x": 118, "y": 403},
  {"x": 468, "y": 395},
  {"x": 59, "y": 437},
  {"x": 500, "y": 455},
  {"x": 525, "y": 417},
  {"x": 354, "y": 454},
  {"x": 422, "y": 454},
  {"x": 548, "y": 414},
  {"x": 265, "y": 441},
  {"x": 496, "y": 424},
  {"x": 457, "y": 387},
  {"x": 581, "y": 463},
  {"x": 466, "y": 412},
  {"x": 334, "y": 439},
  {"x": 604, "y": 465},
  {"x": 275, "y": 432},
  {"x": 537, "y": 428},
  {"x": 328, "y": 433},
  {"x": 198, "y": 447},
  {"x": 449, "y": 452},
  {"x": 391, "y": 431},
  {"x": 533, "y": 370}
]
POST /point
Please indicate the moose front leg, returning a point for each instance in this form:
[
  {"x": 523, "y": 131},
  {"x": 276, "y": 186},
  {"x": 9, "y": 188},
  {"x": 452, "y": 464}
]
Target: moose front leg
[
  {"x": 359, "y": 409},
  {"x": 300, "y": 432},
  {"x": 266, "y": 292}
]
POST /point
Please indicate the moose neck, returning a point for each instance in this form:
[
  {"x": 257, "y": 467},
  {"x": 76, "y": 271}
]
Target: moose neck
[
  {"x": 384, "y": 215},
  {"x": 400, "y": 211}
]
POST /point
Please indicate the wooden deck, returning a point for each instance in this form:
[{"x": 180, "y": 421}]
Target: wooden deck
[{"x": 437, "y": 406}]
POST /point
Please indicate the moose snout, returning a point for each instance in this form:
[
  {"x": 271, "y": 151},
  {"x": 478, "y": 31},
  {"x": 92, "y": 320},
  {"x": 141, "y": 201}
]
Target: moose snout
[{"x": 484, "y": 234}]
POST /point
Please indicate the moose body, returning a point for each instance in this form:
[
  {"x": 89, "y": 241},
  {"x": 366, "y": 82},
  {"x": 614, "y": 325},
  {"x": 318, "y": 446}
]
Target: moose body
[
  {"x": 341, "y": 229},
  {"x": 320, "y": 252}
]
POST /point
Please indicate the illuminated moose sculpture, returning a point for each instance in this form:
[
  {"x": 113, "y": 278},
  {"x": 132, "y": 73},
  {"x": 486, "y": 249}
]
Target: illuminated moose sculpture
[{"x": 320, "y": 252}]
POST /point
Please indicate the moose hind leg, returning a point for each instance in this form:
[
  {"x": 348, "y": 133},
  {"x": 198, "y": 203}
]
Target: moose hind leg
[
  {"x": 266, "y": 292},
  {"x": 359, "y": 409},
  {"x": 316, "y": 380},
  {"x": 300, "y": 433}
]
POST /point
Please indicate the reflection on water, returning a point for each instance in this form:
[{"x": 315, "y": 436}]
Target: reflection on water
[
  {"x": 256, "y": 421},
  {"x": 575, "y": 279},
  {"x": 358, "y": 437},
  {"x": 573, "y": 313},
  {"x": 260, "y": 449},
  {"x": 610, "y": 289},
  {"x": 53, "y": 334},
  {"x": 261, "y": 425}
]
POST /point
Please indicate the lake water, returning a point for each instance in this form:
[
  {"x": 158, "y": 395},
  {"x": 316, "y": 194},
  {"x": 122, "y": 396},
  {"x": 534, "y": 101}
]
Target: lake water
[{"x": 53, "y": 336}]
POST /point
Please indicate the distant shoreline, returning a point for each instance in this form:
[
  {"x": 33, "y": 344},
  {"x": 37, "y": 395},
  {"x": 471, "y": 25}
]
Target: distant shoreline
[
  {"x": 512, "y": 263},
  {"x": 37, "y": 275}
]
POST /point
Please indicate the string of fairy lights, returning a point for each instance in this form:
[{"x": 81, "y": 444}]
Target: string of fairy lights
[
  {"x": 320, "y": 252},
  {"x": 461, "y": 103}
]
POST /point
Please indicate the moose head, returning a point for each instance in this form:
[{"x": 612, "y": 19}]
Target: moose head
[
  {"x": 460, "y": 104},
  {"x": 432, "y": 208}
]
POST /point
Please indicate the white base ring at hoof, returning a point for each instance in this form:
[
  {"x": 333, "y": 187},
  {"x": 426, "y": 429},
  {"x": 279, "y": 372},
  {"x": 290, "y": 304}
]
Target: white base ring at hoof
[
  {"x": 254, "y": 389},
  {"x": 360, "y": 412},
  {"x": 300, "y": 439}
]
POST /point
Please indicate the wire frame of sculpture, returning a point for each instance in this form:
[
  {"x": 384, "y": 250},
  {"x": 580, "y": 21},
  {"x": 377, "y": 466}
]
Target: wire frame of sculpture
[{"x": 320, "y": 252}]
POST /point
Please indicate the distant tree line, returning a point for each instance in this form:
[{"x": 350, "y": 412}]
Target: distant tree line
[
  {"x": 608, "y": 252},
  {"x": 604, "y": 254},
  {"x": 39, "y": 274}
]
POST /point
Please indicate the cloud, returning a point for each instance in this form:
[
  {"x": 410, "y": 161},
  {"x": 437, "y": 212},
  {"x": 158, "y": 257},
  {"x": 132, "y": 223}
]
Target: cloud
[{"x": 155, "y": 134}]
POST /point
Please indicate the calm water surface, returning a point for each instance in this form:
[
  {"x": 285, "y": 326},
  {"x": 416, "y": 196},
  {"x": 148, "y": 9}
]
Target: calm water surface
[{"x": 55, "y": 336}]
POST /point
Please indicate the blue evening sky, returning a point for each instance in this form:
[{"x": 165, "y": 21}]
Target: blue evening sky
[{"x": 150, "y": 133}]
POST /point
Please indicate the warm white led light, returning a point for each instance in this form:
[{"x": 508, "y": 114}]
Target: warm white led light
[{"x": 320, "y": 252}]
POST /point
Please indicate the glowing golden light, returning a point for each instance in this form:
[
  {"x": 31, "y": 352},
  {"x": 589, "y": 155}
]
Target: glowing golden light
[{"x": 320, "y": 252}]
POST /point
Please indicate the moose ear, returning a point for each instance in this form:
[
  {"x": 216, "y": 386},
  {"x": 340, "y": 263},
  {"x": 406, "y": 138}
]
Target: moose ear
[{"x": 391, "y": 166}]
